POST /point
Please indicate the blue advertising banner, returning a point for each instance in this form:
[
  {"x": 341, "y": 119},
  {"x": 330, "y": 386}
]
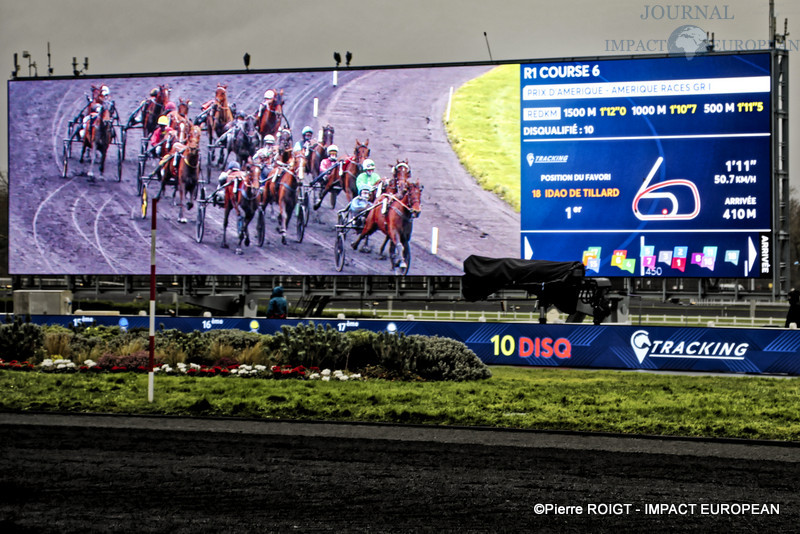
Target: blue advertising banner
[
  {"x": 648, "y": 167},
  {"x": 730, "y": 350}
]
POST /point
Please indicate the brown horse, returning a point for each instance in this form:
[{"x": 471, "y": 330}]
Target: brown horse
[
  {"x": 183, "y": 168},
  {"x": 401, "y": 176},
  {"x": 216, "y": 115},
  {"x": 283, "y": 158},
  {"x": 394, "y": 186},
  {"x": 179, "y": 121},
  {"x": 397, "y": 223},
  {"x": 241, "y": 192},
  {"x": 342, "y": 176},
  {"x": 283, "y": 182},
  {"x": 98, "y": 136},
  {"x": 270, "y": 114},
  {"x": 318, "y": 150},
  {"x": 153, "y": 108}
]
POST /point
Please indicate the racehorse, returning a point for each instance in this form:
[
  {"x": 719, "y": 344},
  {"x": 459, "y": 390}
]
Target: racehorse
[
  {"x": 397, "y": 223},
  {"x": 342, "y": 176},
  {"x": 282, "y": 184},
  {"x": 397, "y": 186},
  {"x": 269, "y": 115},
  {"x": 179, "y": 121},
  {"x": 401, "y": 175},
  {"x": 318, "y": 150},
  {"x": 241, "y": 192},
  {"x": 216, "y": 114},
  {"x": 153, "y": 108},
  {"x": 98, "y": 136},
  {"x": 283, "y": 157},
  {"x": 183, "y": 168},
  {"x": 241, "y": 141}
]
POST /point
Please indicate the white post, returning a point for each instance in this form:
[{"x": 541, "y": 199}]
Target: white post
[
  {"x": 316, "y": 107},
  {"x": 335, "y": 78},
  {"x": 434, "y": 240},
  {"x": 151, "y": 374}
]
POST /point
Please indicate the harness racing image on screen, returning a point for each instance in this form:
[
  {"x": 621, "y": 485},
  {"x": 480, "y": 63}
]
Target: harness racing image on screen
[
  {"x": 657, "y": 166},
  {"x": 301, "y": 172}
]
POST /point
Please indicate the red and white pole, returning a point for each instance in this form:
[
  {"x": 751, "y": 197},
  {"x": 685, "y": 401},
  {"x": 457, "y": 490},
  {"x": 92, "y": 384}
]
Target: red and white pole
[{"x": 151, "y": 373}]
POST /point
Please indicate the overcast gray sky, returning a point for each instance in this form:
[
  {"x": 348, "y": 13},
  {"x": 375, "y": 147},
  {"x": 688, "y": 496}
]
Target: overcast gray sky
[{"x": 121, "y": 36}]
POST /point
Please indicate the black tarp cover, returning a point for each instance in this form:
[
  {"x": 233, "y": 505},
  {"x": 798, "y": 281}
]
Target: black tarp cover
[{"x": 555, "y": 282}]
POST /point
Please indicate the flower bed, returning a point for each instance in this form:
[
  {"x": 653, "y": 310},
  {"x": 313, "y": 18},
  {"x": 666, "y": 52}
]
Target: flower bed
[
  {"x": 298, "y": 352},
  {"x": 15, "y": 365},
  {"x": 60, "y": 365}
]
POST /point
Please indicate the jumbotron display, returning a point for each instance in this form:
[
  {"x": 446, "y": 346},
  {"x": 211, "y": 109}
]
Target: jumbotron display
[
  {"x": 651, "y": 167},
  {"x": 646, "y": 167}
]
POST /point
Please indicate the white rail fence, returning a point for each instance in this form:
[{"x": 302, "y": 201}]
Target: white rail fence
[{"x": 533, "y": 317}]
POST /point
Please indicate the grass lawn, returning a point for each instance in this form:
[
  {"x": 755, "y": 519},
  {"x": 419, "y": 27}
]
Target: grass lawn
[
  {"x": 484, "y": 131},
  {"x": 531, "y": 398}
]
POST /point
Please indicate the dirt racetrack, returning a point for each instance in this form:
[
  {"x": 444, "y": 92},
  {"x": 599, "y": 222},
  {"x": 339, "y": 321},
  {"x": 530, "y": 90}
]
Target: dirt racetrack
[
  {"x": 74, "y": 226},
  {"x": 80, "y": 473}
]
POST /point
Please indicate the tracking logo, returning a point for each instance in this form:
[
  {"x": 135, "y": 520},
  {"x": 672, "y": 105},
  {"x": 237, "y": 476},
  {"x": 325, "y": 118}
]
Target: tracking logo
[
  {"x": 559, "y": 158},
  {"x": 708, "y": 350}
]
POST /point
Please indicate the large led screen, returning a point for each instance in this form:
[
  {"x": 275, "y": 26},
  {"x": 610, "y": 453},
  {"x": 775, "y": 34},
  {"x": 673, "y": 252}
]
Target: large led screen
[
  {"x": 646, "y": 167},
  {"x": 64, "y": 221},
  {"x": 649, "y": 167}
]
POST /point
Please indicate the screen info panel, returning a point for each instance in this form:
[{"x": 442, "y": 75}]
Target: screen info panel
[{"x": 648, "y": 167}]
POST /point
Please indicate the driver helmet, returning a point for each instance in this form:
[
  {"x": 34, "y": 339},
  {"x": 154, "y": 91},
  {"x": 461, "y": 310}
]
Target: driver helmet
[
  {"x": 233, "y": 166},
  {"x": 269, "y": 94},
  {"x": 104, "y": 90},
  {"x": 333, "y": 151},
  {"x": 169, "y": 107},
  {"x": 307, "y": 130},
  {"x": 269, "y": 140},
  {"x": 163, "y": 120},
  {"x": 369, "y": 165}
]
